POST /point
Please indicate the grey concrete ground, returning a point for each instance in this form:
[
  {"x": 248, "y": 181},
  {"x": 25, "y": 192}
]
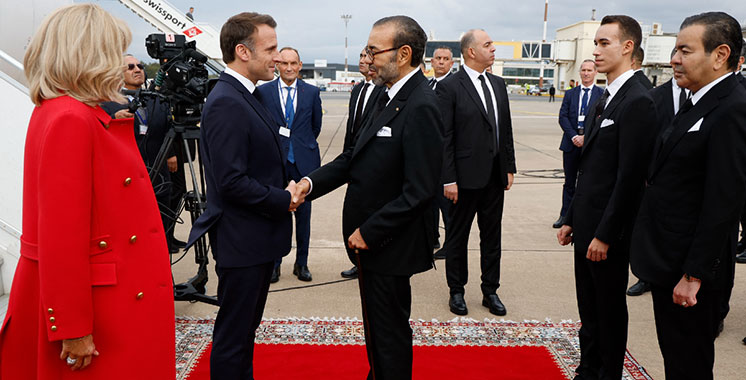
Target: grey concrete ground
[{"x": 537, "y": 277}]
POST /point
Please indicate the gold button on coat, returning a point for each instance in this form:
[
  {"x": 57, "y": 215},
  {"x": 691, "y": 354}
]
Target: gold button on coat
[
  {"x": 53, "y": 328},
  {"x": 133, "y": 239},
  {"x": 127, "y": 181},
  {"x": 140, "y": 295},
  {"x": 50, "y": 311},
  {"x": 51, "y": 319},
  {"x": 103, "y": 245}
]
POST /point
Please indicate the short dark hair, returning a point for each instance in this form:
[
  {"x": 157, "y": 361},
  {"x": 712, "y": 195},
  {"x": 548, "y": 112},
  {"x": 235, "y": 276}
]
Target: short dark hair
[
  {"x": 720, "y": 29},
  {"x": 240, "y": 29},
  {"x": 408, "y": 32},
  {"x": 638, "y": 55},
  {"x": 291, "y": 48},
  {"x": 629, "y": 29},
  {"x": 443, "y": 47}
]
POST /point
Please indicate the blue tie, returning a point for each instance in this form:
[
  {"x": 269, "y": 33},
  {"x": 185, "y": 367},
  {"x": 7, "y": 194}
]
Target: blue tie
[
  {"x": 583, "y": 105},
  {"x": 289, "y": 116}
]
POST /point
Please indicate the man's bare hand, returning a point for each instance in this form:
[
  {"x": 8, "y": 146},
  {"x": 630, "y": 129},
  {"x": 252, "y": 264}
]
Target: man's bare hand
[
  {"x": 685, "y": 292},
  {"x": 578, "y": 141},
  {"x": 451, "y": 192},
  {"x": 173, "y": 164},
  {"x": 82, "y": 350},
  {"x": 510, "y": 181},
  {"x": 597, "y": 250},
  {"x": 292, "y": 188},
  {"x": 355, "y": 241},
  {"x": 564, "y": 235},
  {"x": 123, "y": 114}
]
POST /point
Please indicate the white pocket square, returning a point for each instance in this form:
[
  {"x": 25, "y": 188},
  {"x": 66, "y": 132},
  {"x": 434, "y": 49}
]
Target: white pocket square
[
  {"x": 606, "y": 122},
  {"x": 695, "y": 127},
  {"x": 384, "y": 132}
]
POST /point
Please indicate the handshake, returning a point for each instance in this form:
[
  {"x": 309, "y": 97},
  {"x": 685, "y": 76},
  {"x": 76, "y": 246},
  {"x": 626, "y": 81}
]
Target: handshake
[{"x": 298, "y": 192}]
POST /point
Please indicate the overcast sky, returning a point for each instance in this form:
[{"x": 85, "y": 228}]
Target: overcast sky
[{"x": 316, "y": 29}]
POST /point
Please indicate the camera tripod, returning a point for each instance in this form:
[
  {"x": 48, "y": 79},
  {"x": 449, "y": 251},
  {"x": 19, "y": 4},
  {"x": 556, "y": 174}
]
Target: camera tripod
[{"x": 195, "y": 202}]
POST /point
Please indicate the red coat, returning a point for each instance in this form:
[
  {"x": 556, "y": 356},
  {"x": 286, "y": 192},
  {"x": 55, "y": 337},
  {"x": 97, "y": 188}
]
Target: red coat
[{"x": 94, "y": 258}]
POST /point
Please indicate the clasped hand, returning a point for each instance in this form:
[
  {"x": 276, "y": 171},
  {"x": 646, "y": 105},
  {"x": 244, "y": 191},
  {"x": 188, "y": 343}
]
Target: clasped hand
[{"x": 298, "y": 192}]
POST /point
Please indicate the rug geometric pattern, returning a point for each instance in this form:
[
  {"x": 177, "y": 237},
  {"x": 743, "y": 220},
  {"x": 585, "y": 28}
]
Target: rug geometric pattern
[{"x": 193, "y": 336}]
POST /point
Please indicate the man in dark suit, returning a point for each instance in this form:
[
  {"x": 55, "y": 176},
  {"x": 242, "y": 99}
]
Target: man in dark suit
[
  {"x": 668, "y": 98},
  {"x": 478, "y": 166},
  {"x": 575, "y": 106},
  {"x": 247, "y": 214},
  {"x": 685, "y": 236},
  {"x": 296, "y": 108},
  {"x": 741, "y": 249},
  {"x": 442, "y": 62},
  {"x": 638, "y": 57},
  {"x": 362, "y": 102},
  {"x": 621, "y": 129},
  {"x": 392, "y": 174}
]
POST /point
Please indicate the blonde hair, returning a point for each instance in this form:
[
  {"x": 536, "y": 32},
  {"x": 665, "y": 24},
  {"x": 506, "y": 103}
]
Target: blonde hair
[{"x": 77, "y": 51}]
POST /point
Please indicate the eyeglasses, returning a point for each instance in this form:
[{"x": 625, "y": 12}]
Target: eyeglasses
[
  {"x": 371, "y": 54},
  {"x": 131, "y": 66}
]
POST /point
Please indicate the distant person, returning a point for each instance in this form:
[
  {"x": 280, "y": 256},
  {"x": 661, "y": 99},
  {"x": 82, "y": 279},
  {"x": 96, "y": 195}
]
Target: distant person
[
  {"x": 638, "y": 57},
  {"x": 571, "y": 84},
  {"x": 190, "y": 14},
  {"x": 92, "y": 292},
  {"x": 296, "y": 107},
  {"x": 476, "y": 118},
  {"x": 362, "y": 103},
  {"x": 620, "y": 132},
  {"x": 552, "y": 91},
  {"x": 575, "y": 106},
  {"x": 685, "y": 235},
  {"x": 442, "y": 62}
]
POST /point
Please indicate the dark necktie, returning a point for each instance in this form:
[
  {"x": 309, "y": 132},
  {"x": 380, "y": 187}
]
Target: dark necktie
[
  {"x": 583, "y": 106},
  {"x": 602, "y": 103},
  {"x": 359, "y": 109},
  {"x": 684, "y": 109},
  {"x": 381, "y": 102},
  {"x": 682, "y": 98},
  {"x": 490, "y": 110},
  {"x": 432, "y": 83}
]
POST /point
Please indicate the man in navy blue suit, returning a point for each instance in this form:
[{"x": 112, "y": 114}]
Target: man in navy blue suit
[
  {"x": 247, "y": 216},
  {"x": 296, "y": 108},
  {"x": 575, "y": 106}
]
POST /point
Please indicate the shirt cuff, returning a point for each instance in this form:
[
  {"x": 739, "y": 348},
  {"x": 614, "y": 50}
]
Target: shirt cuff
[
  {"x": 310, "y": 182},
  {"x": 449, "y": 184}
]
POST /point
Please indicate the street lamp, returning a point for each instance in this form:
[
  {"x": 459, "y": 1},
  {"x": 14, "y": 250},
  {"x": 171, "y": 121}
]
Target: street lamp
[{"x": 346, "y": 19}]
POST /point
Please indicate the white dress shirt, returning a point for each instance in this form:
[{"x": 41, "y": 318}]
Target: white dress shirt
[
  {"x": 246, "y": 82},
  {"x": 284, "y": 94},
  {"x": 614, "y": 86},
  {"x": 702, "y": 91},
  {"x": 580, "y": 98},
  {"x": 676, "y": 93},
  {"x": 399, "y": 84},
  {"x": 369, "y": 84},
  {"x": 474, "y": 76}
]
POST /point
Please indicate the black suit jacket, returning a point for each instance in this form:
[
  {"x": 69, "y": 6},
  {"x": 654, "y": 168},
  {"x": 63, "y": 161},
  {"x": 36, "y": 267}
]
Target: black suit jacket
[
  {"x": 247, "y": 207},
  {"x": 612, "y": 166},
  {"x": 663, "y": 98},
  {"x": 392, "y": 182},
  {"x": 349, "y": 132},
  {"x": 469, "y": 138},
  {"x": 643, "y": 80},
  {"x": 696, "y": 186}
]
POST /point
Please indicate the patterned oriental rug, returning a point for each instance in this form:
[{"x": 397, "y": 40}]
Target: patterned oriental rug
[{"x": 457, "y": 349}]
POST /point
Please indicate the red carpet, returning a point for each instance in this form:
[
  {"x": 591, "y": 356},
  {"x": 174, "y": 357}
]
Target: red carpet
[
  {"x": 286, "y": 361},
  {"x": 454, "y": 350}
]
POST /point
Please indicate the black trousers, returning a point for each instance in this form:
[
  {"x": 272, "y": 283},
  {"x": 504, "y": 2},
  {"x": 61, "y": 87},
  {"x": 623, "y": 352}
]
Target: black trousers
[
  {"x": 242, "y": 293},
  {"x": 302, "y": 223},
  {"x": 602, "y": 305},
  {"x": 487, "y": 205},
  {"x": 686, "y": 336},
  {"x": 441, "y": 205},
  {"x": 387, "y": 303},
  {"x": 570, "y": 163}
]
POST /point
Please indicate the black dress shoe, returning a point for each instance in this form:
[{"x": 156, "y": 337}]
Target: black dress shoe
[
  {"x": 440, "y": 254},
  {"x": 178, "y": 243},
  {"x": 638, "y": 289},
  {"x": 493, "y": 303},
  {"x": 560, "y": 221},
  {"x": 350, "y": 273},
  {"x": 275, "y": 275},
  {"x": 741, "y": 258},
  {"x": 302, "y": 272},
  {"x": 457, "y": 304}
]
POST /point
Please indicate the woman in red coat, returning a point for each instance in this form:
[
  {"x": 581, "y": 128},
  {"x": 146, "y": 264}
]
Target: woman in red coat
[{"x": 92, "y": 296}]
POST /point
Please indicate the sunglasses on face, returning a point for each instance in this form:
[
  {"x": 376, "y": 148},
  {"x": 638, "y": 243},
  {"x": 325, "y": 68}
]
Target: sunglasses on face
[{"x": 131, "y": 66}]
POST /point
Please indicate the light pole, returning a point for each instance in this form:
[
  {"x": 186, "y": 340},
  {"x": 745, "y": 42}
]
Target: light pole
[{"x": 346, "y": 19}]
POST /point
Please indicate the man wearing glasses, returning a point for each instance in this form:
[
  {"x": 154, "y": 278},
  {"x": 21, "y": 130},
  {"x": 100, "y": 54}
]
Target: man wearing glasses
[{"x": 392, "y": 173}]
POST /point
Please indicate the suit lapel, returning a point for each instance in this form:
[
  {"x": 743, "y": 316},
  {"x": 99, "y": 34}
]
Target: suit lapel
[
  {"x": 615, "y": 101},
  {"x": 473, "y": 94}
]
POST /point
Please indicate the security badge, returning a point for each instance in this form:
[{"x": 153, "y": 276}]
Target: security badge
[{"x": 284, "y": 131}]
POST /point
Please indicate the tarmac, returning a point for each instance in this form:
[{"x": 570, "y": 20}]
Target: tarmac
[{"x": 537, "y": 281}]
